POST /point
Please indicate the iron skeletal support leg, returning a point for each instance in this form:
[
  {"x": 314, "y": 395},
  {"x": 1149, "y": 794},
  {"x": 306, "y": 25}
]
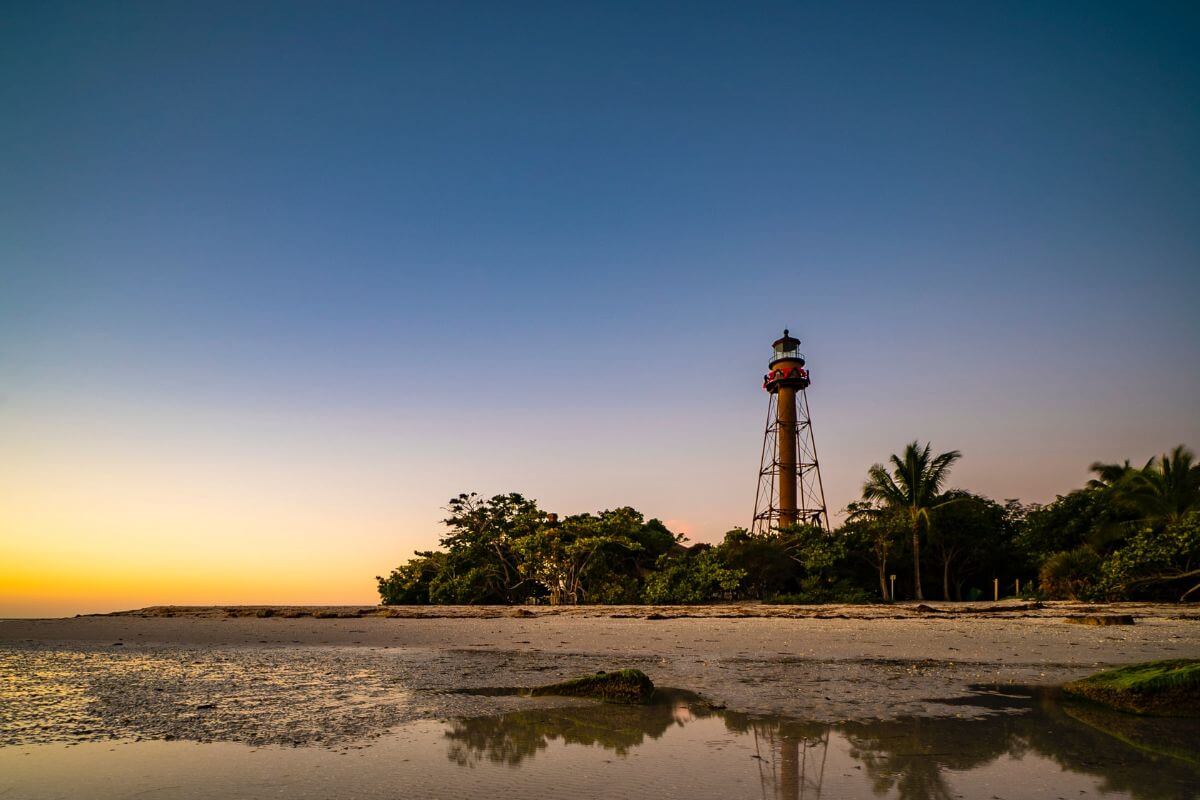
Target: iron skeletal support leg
[{"x": 790, "y": 489}]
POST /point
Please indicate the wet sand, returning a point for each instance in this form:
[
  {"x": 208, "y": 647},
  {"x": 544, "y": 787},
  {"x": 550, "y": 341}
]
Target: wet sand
[{"x": 348, "y": 674}]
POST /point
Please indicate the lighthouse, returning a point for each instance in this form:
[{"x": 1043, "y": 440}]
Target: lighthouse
[{"x": 789, "y": 478}]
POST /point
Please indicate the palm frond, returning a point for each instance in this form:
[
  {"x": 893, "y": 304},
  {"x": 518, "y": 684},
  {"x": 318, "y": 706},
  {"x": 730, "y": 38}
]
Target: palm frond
[
  {"x": 881, "y": 487},
  {"x": 937, "y": 472}
]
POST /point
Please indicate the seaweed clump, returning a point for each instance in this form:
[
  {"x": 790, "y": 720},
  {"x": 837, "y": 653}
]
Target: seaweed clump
[
  {"x": 1168, "y": 688},
  {"x": 1101, "y": 619},
  {"x": 622, "y": 686}
]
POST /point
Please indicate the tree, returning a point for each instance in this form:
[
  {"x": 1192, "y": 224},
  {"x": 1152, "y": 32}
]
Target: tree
[
  {"x": 1119, "y": 513},
  {"x": 821, "y": 558},
  {"x": 872, "y": 534},
  {"x": 762, "y": 559},
  {"x": 696, "y": 576},
  {"x": 1068, "y": 522},
  {"x": 814, "y": 549},
  {"x": 565, "y": 558},
  {"x": 1167, "y": 488},
  {"x": 1109, "y": 475},
  {"x": 410, "y": 584},
  {"x": 971, "y": 532},
  {"x": 913, "y": 487},
  {"x": 481, "y": 565}
]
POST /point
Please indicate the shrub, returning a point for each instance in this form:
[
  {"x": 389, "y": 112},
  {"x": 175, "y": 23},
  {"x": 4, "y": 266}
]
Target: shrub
[
  {"x": 1156, "y": 562},
  {"x": 1071, "y": 574},
  {"x": 693, "y": 578},
  {"x": 617, "y": 590},
  {"x": 814, "y": 590}
]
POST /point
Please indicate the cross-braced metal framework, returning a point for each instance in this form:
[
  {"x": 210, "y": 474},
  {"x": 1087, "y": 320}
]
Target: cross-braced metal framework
[
  {"x": 788, "y": 746},
  {"x": 810, "y": 492}
]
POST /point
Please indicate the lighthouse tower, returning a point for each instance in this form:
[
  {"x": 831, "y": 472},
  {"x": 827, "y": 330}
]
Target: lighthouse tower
[{"x": 789, "y": 479}]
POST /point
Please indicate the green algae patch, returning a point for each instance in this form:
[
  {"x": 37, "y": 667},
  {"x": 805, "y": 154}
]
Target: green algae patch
[
  {"x": 1166, "y": 688},
  {"x": 622, "y": 686}
]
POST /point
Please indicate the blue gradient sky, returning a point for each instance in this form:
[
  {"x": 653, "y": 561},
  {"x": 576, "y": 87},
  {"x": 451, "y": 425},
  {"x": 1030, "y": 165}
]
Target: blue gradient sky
[{"x": 277, "y": 279}]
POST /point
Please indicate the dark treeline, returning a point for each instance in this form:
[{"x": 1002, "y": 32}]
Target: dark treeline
[{"x": 1130, "y": 533}]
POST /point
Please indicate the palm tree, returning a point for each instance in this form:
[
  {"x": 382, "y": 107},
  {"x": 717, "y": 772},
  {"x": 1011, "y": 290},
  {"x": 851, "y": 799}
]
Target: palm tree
[
  {"x": 1167, "y": 487},
  {"x": 1109, "y": 475},
  {"x": 1120, "y": 514},
  {"x": 913, "y": 487}
]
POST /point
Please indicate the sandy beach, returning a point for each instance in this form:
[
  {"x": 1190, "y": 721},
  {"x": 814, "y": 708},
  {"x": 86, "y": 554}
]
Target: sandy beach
[{"x": 280, "y": 675}]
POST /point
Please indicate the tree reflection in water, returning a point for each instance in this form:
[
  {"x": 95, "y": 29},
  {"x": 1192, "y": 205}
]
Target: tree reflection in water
[
  {"x": 511, "y": 738},
  {"x": 912, "y": 755},
  {"x": 909, "y": 758}
]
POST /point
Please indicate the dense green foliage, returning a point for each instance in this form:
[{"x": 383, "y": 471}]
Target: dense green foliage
[
  {"x": 1130, "y": 533},
  {"x": 694, "y": 576},
  {"x": 507, "y": 550}
]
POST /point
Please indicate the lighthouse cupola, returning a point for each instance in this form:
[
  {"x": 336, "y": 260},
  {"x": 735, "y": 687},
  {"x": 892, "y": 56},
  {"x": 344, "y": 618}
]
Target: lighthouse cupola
[{"x": 787, "y": 365}]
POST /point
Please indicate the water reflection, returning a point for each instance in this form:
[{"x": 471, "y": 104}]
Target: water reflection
[
  {"x": 512, "y": 738},
  {"x": 913, "y": 758}
]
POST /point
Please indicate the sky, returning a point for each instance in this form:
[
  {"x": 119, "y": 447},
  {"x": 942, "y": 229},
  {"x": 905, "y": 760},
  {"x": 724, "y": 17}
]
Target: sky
[{"x": 278, "y": 279}]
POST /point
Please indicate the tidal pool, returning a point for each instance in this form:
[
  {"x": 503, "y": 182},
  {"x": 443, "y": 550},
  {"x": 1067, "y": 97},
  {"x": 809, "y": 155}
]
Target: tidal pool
[{"x": 1032, "y": 745}]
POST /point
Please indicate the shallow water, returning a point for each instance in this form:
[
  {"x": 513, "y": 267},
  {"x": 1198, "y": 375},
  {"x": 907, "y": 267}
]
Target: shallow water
[{"x": 1033, "y": 746}]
